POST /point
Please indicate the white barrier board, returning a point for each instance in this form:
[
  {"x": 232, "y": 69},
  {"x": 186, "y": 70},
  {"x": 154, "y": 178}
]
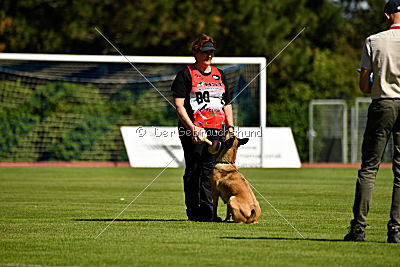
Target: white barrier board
[{"x": 157, "y": 146}]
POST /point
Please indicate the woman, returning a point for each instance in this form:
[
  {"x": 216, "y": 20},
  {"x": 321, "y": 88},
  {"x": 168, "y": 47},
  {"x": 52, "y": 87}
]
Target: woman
[{"x": 202, "y": 101}]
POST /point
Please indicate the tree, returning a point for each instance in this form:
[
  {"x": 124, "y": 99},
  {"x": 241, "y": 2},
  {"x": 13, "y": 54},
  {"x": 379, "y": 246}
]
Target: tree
[{"x": 320, "y": 63}]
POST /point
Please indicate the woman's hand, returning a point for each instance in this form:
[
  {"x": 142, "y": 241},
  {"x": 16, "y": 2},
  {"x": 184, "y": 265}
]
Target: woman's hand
[{"x": 197, "y": 134}]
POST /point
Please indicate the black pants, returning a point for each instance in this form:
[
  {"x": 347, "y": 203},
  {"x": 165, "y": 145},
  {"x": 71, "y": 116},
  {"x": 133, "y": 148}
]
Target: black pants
[
  {"x": 383, "y": 119},
  {"x": 196, "y": 180}
]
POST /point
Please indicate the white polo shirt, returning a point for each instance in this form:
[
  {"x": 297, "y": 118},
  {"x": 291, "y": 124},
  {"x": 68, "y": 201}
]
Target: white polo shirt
[{"x": 381, "y": 55}]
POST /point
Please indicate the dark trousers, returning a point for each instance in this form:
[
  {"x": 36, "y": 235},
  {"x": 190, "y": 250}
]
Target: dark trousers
[
  {"x": 383, "y": 119},
  {"x": 196, "y": 180}
]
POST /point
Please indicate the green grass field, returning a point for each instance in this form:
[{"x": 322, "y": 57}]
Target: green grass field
[{"x": 51, "y": 216}]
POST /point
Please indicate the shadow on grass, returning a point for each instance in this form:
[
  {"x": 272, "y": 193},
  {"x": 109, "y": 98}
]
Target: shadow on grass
[
  {"x": 128, "y": 220},
  {"x": 280, "y": 238},
  {"x": 294, "y": 239}
]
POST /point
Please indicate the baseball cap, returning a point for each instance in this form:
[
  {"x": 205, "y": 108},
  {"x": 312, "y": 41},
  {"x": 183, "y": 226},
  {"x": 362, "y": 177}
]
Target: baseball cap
[
  {"x": 207, "y": 46},
  {"x": 392, "y": 6}
]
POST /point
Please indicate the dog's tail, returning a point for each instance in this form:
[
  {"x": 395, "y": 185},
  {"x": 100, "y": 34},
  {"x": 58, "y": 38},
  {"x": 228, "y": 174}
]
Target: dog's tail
[
  {"x": 250, "y": 219},
  {"x": 252, "y": 213}
]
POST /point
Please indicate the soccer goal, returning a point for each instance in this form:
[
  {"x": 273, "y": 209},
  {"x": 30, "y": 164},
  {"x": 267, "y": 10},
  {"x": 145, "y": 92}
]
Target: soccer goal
[
  {"x": 71, "y": 107},
  {"x": 328, "y": 131}
]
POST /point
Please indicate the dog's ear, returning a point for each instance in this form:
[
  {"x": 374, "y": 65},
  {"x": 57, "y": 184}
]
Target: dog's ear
[
  {"x": 229, "y": 143},
  {"x": 242, "y": 141}
]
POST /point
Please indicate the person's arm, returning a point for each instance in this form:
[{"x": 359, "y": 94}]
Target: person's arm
[
  {"x": 229, "y": 116},
  {"x": 366, "y": 67},
  {"x": 228, "y": 107},
  {"x": 179, "y": 92},
  {"x": 184, "y": 118},
  {"x": 365, "y": 86}
]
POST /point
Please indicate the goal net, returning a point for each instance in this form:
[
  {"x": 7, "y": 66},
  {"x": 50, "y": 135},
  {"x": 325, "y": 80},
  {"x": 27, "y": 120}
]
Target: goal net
[
  {"x": 71, "y": 108},
  {"x": 328, "y": 131},
  {"x": 336, "y": 137}
]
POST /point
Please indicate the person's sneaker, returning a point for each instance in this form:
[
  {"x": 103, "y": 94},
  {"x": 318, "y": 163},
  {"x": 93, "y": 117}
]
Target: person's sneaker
[
  {"x": 393, "y": 235},
  {"x": 356, "y": 233},
  {"x": 193, "y": 219},
  {"x": 217, "y": 219}
]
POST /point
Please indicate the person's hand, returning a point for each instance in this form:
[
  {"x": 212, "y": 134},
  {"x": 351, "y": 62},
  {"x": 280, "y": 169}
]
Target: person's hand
[
  {"x": 231, "y": 131},
  {"x": 197, "y": 134}
]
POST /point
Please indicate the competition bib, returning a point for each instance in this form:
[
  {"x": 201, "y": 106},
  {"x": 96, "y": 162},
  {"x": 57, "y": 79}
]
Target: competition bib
[{"x": 206, "y": 98}]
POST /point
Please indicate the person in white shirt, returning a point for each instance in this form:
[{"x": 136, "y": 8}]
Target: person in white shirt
[{"x": 380, "y": 56}]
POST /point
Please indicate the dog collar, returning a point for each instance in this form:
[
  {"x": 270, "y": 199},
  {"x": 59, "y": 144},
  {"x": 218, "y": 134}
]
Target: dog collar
[{"x": 225, "y": 162}]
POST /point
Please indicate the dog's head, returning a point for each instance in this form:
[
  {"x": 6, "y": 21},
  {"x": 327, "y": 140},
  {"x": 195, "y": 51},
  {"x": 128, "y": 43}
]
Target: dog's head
[{"x": 227, "y": 147}]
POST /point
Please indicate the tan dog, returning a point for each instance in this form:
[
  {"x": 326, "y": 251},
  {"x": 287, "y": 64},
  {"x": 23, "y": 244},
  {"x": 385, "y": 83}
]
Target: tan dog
[{"x": 231, "y": 186}]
